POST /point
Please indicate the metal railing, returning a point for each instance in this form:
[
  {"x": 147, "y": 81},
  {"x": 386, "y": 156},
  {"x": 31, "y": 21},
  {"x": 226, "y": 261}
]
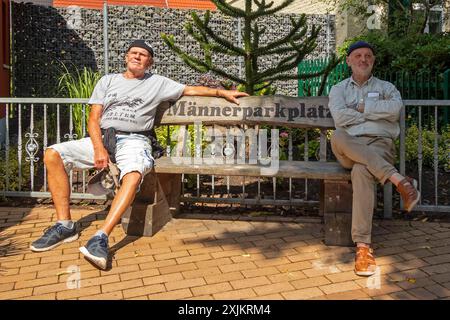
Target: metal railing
[
  {"x": 439, "y": 107},
  {"x": 27, "y": 138}
]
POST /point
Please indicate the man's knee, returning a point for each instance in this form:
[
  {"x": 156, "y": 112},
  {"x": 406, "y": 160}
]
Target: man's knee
[
  {"x": 360, "y": 170},
  {"x": 132, "y": 179},
  {"x": 51, "y": 157}
]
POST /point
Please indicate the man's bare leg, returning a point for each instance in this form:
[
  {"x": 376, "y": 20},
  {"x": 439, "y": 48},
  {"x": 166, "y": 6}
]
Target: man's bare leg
[
  {"x": 58, "y": 183},
  {"x": 122, "y": 200},
  {"x": 96, "y": 249}
]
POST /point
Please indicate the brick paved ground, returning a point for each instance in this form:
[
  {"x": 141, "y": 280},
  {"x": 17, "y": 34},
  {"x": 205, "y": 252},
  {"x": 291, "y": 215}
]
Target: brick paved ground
[{"x": 198, "y": 257}]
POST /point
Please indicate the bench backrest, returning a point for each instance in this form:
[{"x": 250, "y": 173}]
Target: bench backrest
[{"x": 215, "y": 117}]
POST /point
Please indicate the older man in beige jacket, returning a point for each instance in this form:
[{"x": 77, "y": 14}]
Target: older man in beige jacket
[{"x": 366, "y": 112}]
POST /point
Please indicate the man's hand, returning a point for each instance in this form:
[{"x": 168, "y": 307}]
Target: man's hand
[
  {"x": 101, "y": 158},
  {"x": 231, "y": 95},
  {"x": 360, "y": 107}
]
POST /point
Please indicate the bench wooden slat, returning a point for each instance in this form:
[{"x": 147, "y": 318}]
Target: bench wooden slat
[{"x": 297, "y": 169}]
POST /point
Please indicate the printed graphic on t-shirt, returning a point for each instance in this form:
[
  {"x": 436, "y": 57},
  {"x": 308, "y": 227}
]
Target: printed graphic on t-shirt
[{"x": 123, "y": 108}]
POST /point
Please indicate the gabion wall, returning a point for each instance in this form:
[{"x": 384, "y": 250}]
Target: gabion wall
[{"x": 46, "y": 37}]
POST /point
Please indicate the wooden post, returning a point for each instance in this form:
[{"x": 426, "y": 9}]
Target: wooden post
[
  {"x": 153, "y": 206},
  {"x": 337, "y": 211}
]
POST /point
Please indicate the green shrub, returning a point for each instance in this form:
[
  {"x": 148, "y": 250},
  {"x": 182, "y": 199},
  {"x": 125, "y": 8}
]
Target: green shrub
[{"x": 412, "y": 138}]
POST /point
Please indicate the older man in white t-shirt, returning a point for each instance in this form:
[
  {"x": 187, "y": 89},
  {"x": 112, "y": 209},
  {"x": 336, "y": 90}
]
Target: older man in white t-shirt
[{"x": 126, "y": 102}]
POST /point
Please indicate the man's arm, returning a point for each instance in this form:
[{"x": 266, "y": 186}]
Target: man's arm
[
  {"x": 100, "y": 153},
  {"x": 387, "y": 109},
  {"x": 230, "y": 95},
  {"x": 342, "y": 115}
]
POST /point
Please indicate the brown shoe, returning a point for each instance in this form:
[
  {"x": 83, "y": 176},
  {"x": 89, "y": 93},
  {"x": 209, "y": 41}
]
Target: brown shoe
[
  {"x": 364, "y": 262},
  {"x": 409, "y": 193}
]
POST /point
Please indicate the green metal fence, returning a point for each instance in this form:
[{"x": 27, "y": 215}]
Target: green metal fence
[
  {"x": 424, "y": 85},
  {"x": 420, "y": 85}
]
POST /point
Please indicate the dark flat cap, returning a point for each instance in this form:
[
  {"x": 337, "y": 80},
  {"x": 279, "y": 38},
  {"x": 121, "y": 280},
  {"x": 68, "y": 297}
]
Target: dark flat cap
[
  {"x": 141, "y": 44},
  {"x": 359, "y": 44}
]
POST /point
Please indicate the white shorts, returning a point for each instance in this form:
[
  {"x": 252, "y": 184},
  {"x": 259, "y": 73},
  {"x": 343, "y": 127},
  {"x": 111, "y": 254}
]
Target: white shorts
[{"x": 133, "y": 153}]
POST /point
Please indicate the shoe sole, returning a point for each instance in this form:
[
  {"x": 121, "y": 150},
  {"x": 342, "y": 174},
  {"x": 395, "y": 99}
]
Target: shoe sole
[
  {"x": 99, "y": 262},
  {"x": 365, "y": 273},
  {"x": 67, "y": 240}
]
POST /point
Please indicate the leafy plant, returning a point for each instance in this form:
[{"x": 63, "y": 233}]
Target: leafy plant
[{"x": 79, "y": 84}]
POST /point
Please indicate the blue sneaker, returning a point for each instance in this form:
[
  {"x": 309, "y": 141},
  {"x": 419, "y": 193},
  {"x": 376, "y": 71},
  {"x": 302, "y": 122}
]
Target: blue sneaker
[
  {"x": 54, "y": 236},
  {"x": 96, "y": 250}
]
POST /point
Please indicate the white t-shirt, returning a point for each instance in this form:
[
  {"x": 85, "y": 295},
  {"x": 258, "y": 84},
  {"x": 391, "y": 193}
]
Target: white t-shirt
[{"x": 130, "y": 104}]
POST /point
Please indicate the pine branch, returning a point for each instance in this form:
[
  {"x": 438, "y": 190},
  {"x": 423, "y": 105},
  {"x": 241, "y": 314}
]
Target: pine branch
[
  {"x": 228, "y": 9},
  {"x": 284, "y": 65},
  {"x": 296, "y": 26},
  {"x": 203, "y": 27},
  {"x": 258, "y": 13}
]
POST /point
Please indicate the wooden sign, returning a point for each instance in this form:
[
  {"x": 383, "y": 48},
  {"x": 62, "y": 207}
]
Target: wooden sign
[{"x": 272, "y": 110}]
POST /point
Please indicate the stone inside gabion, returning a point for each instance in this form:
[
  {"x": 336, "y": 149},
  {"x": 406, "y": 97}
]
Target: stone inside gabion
[{"x": 46, "y": 37}]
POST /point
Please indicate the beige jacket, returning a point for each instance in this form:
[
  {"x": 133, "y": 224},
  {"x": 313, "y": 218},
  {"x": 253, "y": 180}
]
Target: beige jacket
[{"x": 381, "y": 112}]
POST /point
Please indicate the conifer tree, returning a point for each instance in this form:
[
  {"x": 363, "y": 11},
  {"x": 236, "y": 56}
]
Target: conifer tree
[{"x": 290, "y": 49}]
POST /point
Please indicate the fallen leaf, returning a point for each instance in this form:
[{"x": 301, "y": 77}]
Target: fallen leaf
[
  {"x": 137, "y": 254},
  {"x": 424, "y": 220},
  {"x": 425, "y": 247},
  {"x": 411, "y": 280}
]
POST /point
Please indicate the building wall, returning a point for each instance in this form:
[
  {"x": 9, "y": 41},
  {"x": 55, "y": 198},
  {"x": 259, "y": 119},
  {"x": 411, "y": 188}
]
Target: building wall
[{"x": 46, "y": 37}]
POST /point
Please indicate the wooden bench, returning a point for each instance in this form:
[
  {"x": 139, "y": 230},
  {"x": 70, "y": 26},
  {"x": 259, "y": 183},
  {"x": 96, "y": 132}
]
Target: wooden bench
[{"x": 159, "y": 198}]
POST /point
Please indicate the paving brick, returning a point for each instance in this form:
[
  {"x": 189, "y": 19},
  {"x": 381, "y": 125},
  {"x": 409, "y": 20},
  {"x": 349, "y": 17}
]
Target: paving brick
[
  {"x": 438, "y": 290},
  {"x": 438, "y": 268},
  {"x": 235, "y": 294},
  {"x": 297, "y": 266},
  {"x": 275, "y": 296},
  {"x": 342, "y": 276},
  {"x": 271, "y": 262},
  {"x": 410, "y": 264},
  {"x": 172, "y": 295},
  {"x": 17, "y": 277},
  {"x": 440, "y": 278},
  {"x": 15, "y": 294},
  {"x": 310, "y": 282},
  {"x": 260, "y": 272},
  {"x": 172, "y": 255},
  {"x": 187, "y": 283},
  {"x": 105, "y": 296},
  {"x": 223, "y": 277},
  {"x": 237, "y": 267},
  {"x": 178, "y": 268},
  {"x": 286, "y": 276},
  {"x": 48, "y": 296},
  {"x": 6, "y": 287},
  {"x": 143, "y": 291},
  {"x": 212, "y": 288},
  {"x": 422, "y": 294},
  {"x": 19, "y": 264},
  {"x": 443, "y": 258},
  {"x": 99, "y": 280},
  {"x": 415, "y": 283},
  {"x": 249, "y": 282},
  {"x": 348, "y": 295},
  {"x": 417, "y": 254},
  {"x": 407, "y": 274},
  {"x": 339, "y": 287},
  {"x": 162, "y": 278},
  {"x": 248, "y": 257},
  {"x": 202, "y": 272},
  {"x": 213, "y": 263},
  {"x": 197, "y": 258},
  {"x": 302, "y": 294},
  {"x": 273, "y": 288},
  {"x": 205, "y": 297},
  {"x": 401, "y": 295},
  {"x": 139, "y": 274},
  {"x": 384, "y": 289},
  {"x": 35, "y": 282},
  {"x": 40, "y": 267},
  {"x": 303, "y": 256},
  {"x": 157, "y": 264},
  {"x": 227, "y": 253},
  {"x": 122, "y": 285}
]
